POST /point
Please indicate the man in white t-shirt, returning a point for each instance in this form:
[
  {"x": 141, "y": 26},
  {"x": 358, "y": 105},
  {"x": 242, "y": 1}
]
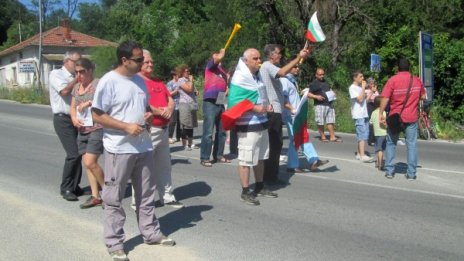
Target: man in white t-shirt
[
  {"x": 121, "y": 105},
  {"x": 359, "y": 113},
  {"x": 61, "y": 83}
]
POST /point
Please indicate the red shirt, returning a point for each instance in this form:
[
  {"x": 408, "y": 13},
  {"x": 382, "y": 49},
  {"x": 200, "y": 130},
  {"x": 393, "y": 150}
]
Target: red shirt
[
  {"x": 159, "y": 95},
  {"x": 395, "y": 90}
]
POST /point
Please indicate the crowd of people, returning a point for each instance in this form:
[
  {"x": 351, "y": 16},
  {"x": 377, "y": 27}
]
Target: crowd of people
[{"x": 130, "y": 117}]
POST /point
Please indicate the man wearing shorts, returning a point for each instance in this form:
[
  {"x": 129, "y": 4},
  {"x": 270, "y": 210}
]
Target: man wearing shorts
[
  {"x": 251, "y": 127},
  {"x": 358, "y": 97},
  {"x": 324, "y": 112},
  {"x": 120, "y": 104}
]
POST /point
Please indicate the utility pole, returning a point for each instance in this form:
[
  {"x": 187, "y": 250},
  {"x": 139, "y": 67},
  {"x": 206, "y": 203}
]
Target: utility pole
[{"x": 39, "y": 74}]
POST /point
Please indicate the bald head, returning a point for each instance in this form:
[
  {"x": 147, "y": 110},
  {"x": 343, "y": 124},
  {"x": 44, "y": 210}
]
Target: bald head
[{"x": 252, "y": 59}]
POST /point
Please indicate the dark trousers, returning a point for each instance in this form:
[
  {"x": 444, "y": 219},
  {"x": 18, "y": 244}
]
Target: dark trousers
[
  {"x": 271, "y": 165},
  {"x": 67, "y": 133},
  {"x": 233, "y": 142},
  {"x": 174, "y": 124}
]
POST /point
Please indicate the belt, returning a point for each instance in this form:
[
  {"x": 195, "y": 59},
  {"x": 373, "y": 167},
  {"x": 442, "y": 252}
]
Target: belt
[{"x": 61, "y": 114}]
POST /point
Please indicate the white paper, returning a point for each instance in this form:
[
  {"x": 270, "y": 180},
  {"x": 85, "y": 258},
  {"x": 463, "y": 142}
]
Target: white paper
[
  {"x": 85, "y": 117},
  {"x": 330, "y": 96},
  {"x": 221, "y": 98}
]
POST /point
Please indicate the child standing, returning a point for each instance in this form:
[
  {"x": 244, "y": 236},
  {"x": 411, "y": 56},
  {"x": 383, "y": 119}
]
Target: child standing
[{"x": 380, "y": 133}]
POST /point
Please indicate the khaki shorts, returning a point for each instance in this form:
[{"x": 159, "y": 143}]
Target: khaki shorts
[{"x": 252, "y": 147}]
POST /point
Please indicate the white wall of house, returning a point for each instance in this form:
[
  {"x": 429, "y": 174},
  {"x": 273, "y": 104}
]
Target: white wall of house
[{"x": 10, "y": 75}]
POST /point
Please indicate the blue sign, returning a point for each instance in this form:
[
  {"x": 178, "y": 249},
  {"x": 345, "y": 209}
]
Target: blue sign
[
  {"x": 426, "y": 63},
  {"x": 375, "y": 62}
]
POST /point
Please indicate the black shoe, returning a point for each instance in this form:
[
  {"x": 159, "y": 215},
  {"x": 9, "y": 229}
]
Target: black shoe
[
  {"x": 69, "y": 195},
  {"x": 80, "y": 192},
  {"x": 266, "y": 193},
  {"x": 250, "y": 199},
  {"x": 410, "y": 178}
]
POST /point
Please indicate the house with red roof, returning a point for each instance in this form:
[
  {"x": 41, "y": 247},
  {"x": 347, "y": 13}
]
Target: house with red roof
[{"x": 19, "y": 63}]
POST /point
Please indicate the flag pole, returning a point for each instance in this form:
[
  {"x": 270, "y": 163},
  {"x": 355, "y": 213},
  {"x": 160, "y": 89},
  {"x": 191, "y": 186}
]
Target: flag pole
[{"x": 306, "y": 46}]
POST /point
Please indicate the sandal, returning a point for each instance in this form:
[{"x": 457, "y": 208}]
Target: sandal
[
  {"x": 324, "y": 140},
  {"x": 206, "y": 163},
  {"x": 223, "y": 160},
  {"x": 337, "y": 140}
]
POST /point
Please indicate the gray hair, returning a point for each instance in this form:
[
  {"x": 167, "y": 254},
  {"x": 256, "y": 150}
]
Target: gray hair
[
  {"x": 270, "y": 48},
  {"x": 69, "y": 54},
  {"x": 145, "y": 51},
  {"x": 370, "y": 79}
]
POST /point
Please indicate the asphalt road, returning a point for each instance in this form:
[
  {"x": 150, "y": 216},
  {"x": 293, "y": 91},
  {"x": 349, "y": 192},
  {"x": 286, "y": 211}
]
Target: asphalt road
[{"x": 347, "y": 211}]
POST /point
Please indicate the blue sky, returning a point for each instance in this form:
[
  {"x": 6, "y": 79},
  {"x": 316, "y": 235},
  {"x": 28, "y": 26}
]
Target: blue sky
[{"x": 28, "y": 4}]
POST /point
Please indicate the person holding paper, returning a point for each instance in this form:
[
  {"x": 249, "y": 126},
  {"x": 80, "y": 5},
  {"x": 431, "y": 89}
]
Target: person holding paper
[
  {"x": 214, "y": 98},
  {"x": 324, "y": 112},
  {"x": 89, "y": 138}
]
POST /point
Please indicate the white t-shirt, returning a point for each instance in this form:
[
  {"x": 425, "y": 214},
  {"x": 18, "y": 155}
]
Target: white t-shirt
[
  {"x": 125, "y": 99},
  {"x": 58, "y": 80},
  {"x": 358, "y": 110}
]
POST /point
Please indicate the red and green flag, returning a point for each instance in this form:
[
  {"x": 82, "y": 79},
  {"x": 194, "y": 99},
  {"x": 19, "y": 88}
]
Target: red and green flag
[
  {"x": 300, "y": 122},
  {"x": 314, "y": 32}
]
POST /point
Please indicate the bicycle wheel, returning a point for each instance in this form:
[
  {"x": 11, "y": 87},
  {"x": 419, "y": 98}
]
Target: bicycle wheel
[
  {"x": 433, "y": 133},
  {"x": 423, "y": 130}
]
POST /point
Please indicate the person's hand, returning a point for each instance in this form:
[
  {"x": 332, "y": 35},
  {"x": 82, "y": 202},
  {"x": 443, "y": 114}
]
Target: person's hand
[
  {"x": 260, "y": 109},
  {"x": 293, "y": 111},
  {"x": 382, "y": 120},
  {"x": 305, "y": 52},
  {"x": 148, "y": 117},
  {"x": 320, "y": 98},
  {"x": 83, "y": 106},
  {"x": 134, "y": 129},
  {"x": 166, "y": 113},
  {"x": 77, "y": 123},
  {"x": 363, "y": 84}
]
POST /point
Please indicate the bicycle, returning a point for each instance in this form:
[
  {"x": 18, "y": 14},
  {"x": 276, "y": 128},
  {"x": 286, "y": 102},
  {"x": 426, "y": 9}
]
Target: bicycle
[{"x": 426, "y": 127}]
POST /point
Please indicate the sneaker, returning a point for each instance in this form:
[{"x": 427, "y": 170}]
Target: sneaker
[
  {"x": 171, "y": 141},
  {"x": 250, "y": 198},
  {"x": 165, "y": 241},
  {"x": 401, "y": 142},
  {"x": 389, "y": 175},
  {"x": 174, "y": 204},
  {"x": 409, "y": 178},
  {"x": 193, "y": 147},
  {"x": 188, "y": 148},
  {"x": 91, "y": 202},
  {"x": 356, "y": 156},
  {"x": 267, "y": 193},
  {"x": 133, "y": 206},
  {"x": 366, "y": 159},
  {"x": 119, "y": 255}
]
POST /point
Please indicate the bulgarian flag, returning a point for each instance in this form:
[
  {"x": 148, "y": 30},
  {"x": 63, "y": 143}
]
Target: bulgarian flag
[
  {"x": 300, "y": 131},
  {"x": 314, "y": 32},
  {"x": 243, "y": 94}
]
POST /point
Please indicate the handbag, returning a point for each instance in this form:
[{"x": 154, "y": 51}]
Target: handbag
[{"x": 394, "y": 121}]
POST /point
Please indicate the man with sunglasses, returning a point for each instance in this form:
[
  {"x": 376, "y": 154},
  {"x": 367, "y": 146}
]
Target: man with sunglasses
[
  {"x": 61, "y": 83},
  {"x": 120, "y": 104},
  {"x": 270, "y": 74}
]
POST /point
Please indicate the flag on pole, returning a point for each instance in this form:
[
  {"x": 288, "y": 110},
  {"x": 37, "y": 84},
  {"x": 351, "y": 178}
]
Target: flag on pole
[
  {"x": 300, "y": 122},
  {"x": 314, "y": 32},
  {"x": 243, "y": 94}
]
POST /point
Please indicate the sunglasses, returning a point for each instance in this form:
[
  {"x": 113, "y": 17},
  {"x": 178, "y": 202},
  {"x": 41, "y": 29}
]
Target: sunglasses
[
  {"x": 81, "y": 71},
  {"x": 138, "y": 60}
]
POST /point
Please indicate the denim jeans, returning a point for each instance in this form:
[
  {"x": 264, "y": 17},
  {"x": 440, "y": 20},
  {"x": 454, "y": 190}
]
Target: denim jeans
[
  {"x": 292, "y": 154},
  {"x": 212, "y": 119},
  {"x": 390, "y": 151}
]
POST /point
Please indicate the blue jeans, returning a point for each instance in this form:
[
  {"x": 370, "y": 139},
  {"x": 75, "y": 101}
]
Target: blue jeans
[
  {"x": 212, "y": 119},
  {"x": 390, "y": 151},
  {"x": 292, "y": 154}
]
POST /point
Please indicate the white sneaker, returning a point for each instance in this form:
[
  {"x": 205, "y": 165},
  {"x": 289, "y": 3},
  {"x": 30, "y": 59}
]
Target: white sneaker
[
  {"x": 366, "y": 159},
  {"x": 356, "y": 156},
  {"x": 401, "y": 142},
  {"x": 133, "y": 206}
]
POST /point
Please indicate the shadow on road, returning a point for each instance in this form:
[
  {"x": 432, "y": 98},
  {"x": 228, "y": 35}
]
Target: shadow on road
[
  {"x": 182, "y": 218},
  {"x": 195, "y": 189}
]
